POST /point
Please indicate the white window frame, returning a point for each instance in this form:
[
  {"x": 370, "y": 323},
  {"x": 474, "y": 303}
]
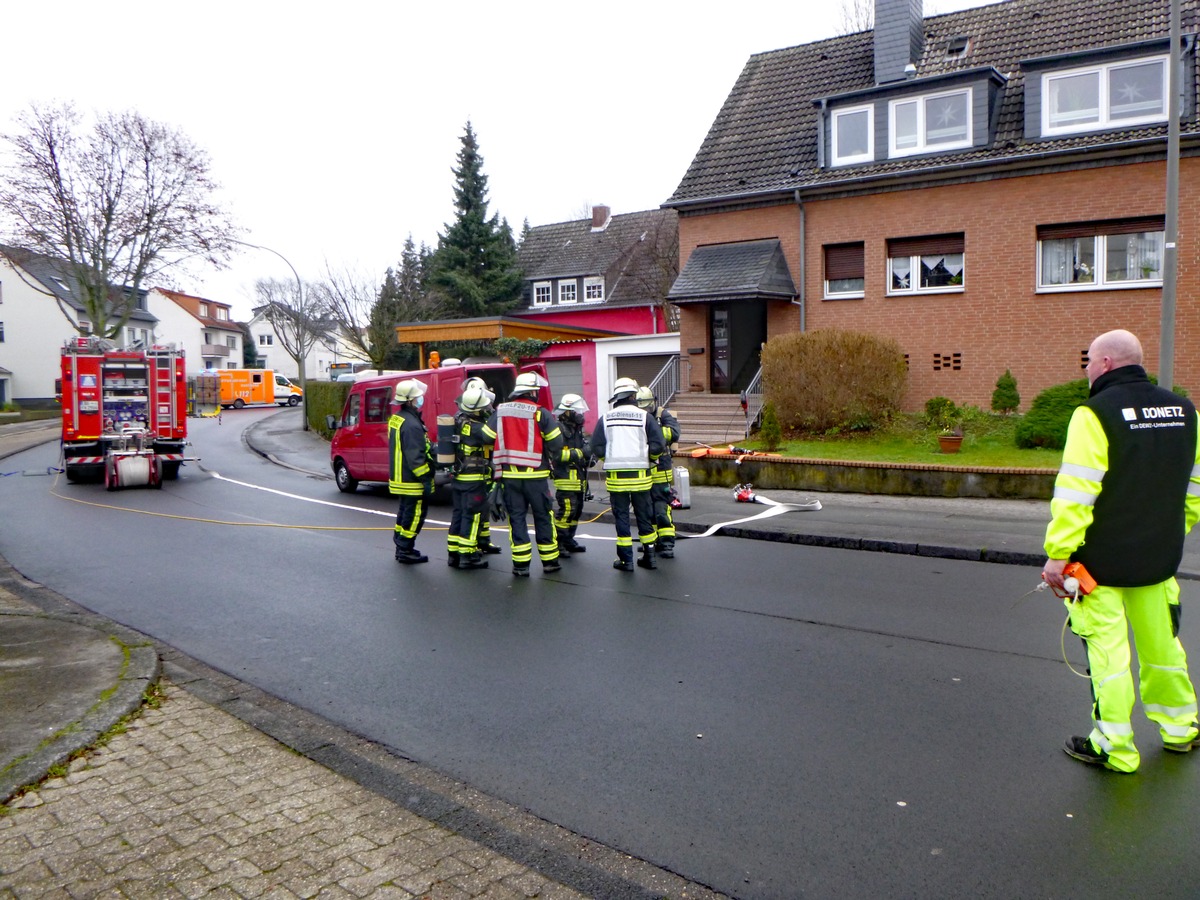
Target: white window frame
[
  {"x": 568, "y": 286},
  {"x": 922, "y": 145},
  {"x": 1104, "y": 119},
  {"x": 854, "y": 294},
  {"x": 593, "y": 281},
  {"x": 914, "y": 279},
  {"x": 1101, "y": 281},
  {"x": 546, "y": 287},
  {"x": 854, "y": 158},
  {"x": 222, "y": 314},
  {"x": 266, "y": 340},
  {"x": 202, "y": 310}
]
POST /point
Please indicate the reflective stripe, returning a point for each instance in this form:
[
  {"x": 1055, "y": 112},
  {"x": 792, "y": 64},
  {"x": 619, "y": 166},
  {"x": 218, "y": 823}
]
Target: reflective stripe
[
  {"x": 1165, "y": 669},
  {"x": 1196, "y": 471},
  {"x": 1114, "y": 728},
  {"x": 1124, "y": 673},
  {"x": 1179, "y": 731},
  {"x": 1173, "y": 711},
  {"x": 1082, "y": 471},
  {"x": 1074, "y": 496},
  {"x": 1193, "y": 488},
  {"x": 518, "y": 440}
]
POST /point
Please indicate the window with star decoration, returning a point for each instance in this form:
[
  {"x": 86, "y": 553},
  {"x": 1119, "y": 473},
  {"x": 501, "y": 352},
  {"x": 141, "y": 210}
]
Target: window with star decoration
[
  {"x": 1106, "y": 96},
  {"x": 929, "y": 123}
]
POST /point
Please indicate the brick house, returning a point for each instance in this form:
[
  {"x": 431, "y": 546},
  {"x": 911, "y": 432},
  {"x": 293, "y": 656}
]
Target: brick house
[{"x": 988, "y": 187}]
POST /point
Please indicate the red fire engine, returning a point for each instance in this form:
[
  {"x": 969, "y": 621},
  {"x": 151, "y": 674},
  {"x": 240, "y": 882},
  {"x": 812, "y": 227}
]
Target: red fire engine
[{"x": 124, "y": 413}]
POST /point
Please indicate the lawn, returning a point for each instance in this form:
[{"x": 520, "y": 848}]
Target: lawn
[{"x": 988, "y": 440}]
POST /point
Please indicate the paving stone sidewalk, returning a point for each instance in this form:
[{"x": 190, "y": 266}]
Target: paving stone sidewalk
[{"x": 190, "y": 801}]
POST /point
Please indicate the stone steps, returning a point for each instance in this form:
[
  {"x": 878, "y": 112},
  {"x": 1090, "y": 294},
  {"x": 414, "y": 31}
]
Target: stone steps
[{"x": 709, "y": 418}]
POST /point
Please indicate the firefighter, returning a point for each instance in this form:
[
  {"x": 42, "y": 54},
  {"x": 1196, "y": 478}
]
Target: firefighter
[
  {"x": 570, "y": 474},
  {"x": 663, "y": 476},
  {"x": 472, "y": 477},
  {"x": 484, "y": 541},
  {"x": 1126, "y": 495},
  {"x": 629, "y": 441},
  {"x": 527, "y": 437},
  {"x": 410, "y": 471}
]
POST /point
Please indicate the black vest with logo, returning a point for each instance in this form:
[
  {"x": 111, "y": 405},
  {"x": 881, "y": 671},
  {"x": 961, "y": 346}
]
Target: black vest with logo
[{"x": 1136, "y": 536}]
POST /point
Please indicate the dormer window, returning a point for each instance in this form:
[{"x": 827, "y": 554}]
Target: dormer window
[
  {"x": 568, "y": 292},
  {"x": 957, "y": 47},
  {"x": 541, "y": 293},
  {"x": 1104, "y": 96},
  {"x": 929, "y": 123},
  {"x": 593, "y": 289},
  {"x": 853, "y": 135}
]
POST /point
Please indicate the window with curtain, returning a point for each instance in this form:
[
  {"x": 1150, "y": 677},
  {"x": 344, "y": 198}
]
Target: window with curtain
[
  {"x": 933, "y": 264},
  {"x": 1099, "y": 255}
]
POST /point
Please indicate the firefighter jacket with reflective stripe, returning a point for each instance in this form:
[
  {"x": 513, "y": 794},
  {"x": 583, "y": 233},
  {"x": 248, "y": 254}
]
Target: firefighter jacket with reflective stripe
[
  {"x": 527, "y": 435},
  {"x": 1129, "y": 487},
  {"x": 663, "y": 472},
  {"x": 570, "y": 466},
  {"x": 628, "y": 439},
  {"x": 410, "y": 454},
  {"x": 473, "y": 451}
]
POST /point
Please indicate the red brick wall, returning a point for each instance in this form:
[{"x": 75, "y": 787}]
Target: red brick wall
[{"x": 998, "y": 321}]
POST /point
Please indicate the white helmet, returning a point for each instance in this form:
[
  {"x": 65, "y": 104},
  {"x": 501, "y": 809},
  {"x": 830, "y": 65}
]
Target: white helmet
[
  {"x": 645, "y": 398},
  {"x": 624, "y": 387},
  {"x": 571, "y": 403},
  {"x": 475, "y": 398},
  {"x": 408, "y": 390},
  {"x": 528, "y": 383}
]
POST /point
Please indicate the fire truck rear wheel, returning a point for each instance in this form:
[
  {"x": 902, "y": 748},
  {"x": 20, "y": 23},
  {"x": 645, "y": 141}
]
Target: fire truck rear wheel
[{"x": 170, "y": 470}]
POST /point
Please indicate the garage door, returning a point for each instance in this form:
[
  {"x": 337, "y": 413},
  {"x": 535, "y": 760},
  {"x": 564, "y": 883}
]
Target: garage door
[
  {"x": 566, "y": 377},
  {"x": 642, "y": 369}
]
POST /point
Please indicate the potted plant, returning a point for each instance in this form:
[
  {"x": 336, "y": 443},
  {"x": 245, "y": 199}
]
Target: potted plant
[{"x": 944, "y": 415}]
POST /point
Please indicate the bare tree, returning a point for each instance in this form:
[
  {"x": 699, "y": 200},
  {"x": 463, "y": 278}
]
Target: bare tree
[
  {"x": 350, "y": 297},
  {"x": 855, "y": 16},
  {"x": 300, "y": 319},
  {"x": 656, "y": 266},
  {"x": 120, "y": 203}
]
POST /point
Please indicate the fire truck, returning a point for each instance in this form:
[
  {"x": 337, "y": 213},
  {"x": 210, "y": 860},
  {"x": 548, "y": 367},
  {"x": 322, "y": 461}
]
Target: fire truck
[{"x": 124, "y": 413}]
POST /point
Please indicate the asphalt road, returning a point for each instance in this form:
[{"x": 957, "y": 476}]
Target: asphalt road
[{"x": 769, "y": 720}]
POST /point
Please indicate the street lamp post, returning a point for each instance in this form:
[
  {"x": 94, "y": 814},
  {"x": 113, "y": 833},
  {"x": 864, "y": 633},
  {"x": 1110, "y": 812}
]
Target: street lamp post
[{"x": 300, "y": 364}]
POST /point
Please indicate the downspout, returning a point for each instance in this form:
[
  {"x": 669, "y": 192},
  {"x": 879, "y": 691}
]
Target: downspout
[{"x": 800, "y": 302}]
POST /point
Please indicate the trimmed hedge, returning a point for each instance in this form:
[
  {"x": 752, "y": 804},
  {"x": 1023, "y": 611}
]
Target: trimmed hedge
[
  {"x": 1045, "y": 425},
  {"x": 322, "y": 398}
]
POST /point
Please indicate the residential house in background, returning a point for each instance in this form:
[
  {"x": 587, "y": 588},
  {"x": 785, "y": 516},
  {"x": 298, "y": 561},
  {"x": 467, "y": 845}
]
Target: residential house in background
[
  {"x": 988, "y": 187},
  {"x": 610, "y": 273},
  {"x": 329, "y": 348},
  {"x": 203, "y": 328},
  {"x": 39, "y": 310}
]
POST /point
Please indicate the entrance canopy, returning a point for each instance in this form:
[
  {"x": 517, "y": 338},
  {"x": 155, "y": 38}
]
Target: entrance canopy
[
  {"x": 489, "y": 328},
  {"x": 728, "y": 273}
]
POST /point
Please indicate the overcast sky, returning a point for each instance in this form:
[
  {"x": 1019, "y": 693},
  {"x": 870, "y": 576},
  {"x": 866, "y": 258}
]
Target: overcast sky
[{"x": 333, "y": 127}]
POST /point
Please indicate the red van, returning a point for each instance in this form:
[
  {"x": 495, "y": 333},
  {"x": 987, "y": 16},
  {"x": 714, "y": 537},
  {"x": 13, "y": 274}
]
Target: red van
[{"x": 359, "y": 448}]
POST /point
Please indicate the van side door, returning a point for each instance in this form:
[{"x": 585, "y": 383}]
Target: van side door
[{"x": 374, "y": 433}]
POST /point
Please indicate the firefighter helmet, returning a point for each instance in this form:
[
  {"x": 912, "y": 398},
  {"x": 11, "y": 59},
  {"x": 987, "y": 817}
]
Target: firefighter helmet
[
  {"x": 571, "y": 403},
  {"x": 645, "y": 398},
  {"x": 622, "y": 389},
  {"x": 409, "y": 390},
  {"x": 476, "y": 398},
  {"x": 528, "y": 383}
]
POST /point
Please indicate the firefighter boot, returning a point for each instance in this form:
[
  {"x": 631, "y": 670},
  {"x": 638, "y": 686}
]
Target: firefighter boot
[
  {"x": 624, "y": 561},
  {"x": 472, "y": 560},
  {"x": 452, "y": 559},
  {"x": 488, "y": 547},
  {"x": 647, "y": 561},
  {"x": 573, "y": 545},
  {"x": 666, "y": 549},
  {"x": 410, "y": 557}
]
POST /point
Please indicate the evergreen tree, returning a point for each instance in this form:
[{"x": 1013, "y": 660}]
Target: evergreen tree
[{"x": 475, "y": 265}]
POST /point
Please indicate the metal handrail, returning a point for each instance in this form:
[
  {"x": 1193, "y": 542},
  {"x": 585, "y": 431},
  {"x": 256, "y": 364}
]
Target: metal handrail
[
  {"x": 755, "y": 400},
  {"x": 665, "y": 385}
]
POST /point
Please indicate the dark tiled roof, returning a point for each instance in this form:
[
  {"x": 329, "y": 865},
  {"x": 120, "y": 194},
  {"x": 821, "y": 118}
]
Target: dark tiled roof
[
  {"x": 741, "y": 271},
  {"x": 625, "y": 253},
  {"x": 765, "y": 137},
  {"x": 55, "y": 276}
]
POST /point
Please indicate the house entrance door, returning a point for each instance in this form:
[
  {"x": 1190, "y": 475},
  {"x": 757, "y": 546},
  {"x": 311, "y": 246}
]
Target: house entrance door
[{"x": 736, "y": 334}]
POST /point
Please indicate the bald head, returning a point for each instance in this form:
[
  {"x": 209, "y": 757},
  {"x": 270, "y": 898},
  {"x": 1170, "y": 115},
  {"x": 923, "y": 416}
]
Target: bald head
[{"x": 1112, "y": 350}]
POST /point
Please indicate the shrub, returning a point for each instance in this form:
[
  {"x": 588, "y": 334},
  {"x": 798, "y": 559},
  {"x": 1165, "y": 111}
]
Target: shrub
[
  {"x": 1005, "y": 398},
  {"x": 770, "y": 433},
  {"x": 1045, "y": 425},
  {"x": 942, "y": 414},
  {"x": 832, "y": 380},
  {"x": 322, "y": 398}
]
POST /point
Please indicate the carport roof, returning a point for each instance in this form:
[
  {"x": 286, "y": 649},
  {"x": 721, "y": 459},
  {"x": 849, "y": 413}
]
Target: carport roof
[{"x": 492, "y": 327}]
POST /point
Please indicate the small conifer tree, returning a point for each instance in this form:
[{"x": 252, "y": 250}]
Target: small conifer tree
[
  {"x": 770, "y": 433},
  {"x": 1005, "y": 398}
]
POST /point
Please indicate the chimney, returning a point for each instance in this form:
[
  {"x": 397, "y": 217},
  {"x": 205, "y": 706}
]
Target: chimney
[
  {"x": 899, "y": 39},
  {"x": 601, "y": 216}
]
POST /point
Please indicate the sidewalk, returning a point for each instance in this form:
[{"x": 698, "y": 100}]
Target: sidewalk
[{"x": 201, "y": 792}]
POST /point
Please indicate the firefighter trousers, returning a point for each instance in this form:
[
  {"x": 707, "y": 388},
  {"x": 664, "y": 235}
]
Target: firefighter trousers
[
  {"x": 643, "y": 513},
  {"x": 470, "y": 503},
  {"x": 660, "y": 494},
  {"x": 567, "y": 512},
  {"x": 409, "y": 518},
  {"x": 1103, "y": 619},
  {"x": 524, "y": 496}
]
